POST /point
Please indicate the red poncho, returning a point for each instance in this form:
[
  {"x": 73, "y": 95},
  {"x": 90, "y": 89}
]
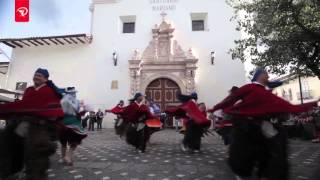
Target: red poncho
[
  {"x": 257, "y": 101},
  {"x": 42, "y": 102},
  {"x": 189, "y": 109},
  {"x": 133, "y": 112},
  {"x": 116, "y": 110}
]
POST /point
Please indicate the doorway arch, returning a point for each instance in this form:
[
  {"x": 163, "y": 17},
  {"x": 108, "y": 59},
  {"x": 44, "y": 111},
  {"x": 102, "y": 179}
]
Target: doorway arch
[{"x": 163, "y": 92}]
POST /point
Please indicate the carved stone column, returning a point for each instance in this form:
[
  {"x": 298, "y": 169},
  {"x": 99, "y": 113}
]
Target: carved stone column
[{"x": 134, "y": 75}]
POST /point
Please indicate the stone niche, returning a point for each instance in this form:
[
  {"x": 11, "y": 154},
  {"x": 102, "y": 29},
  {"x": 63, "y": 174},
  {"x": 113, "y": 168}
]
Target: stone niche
[{"x": 163, "y": 58}]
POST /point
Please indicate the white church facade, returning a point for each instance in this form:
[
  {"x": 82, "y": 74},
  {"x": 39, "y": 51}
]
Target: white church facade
[{"x": 158, "y": 47}]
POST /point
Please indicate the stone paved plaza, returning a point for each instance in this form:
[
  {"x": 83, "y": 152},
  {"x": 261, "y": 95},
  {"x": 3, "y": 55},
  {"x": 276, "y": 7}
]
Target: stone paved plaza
[{"x": 104, "y": 156}]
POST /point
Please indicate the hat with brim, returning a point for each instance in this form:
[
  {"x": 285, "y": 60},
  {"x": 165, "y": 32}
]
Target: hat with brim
[
  {"x": 136, "y": 96},
  {"x": 257, "y": 74},
  {"x": 233, "y": 89},
  {"x": 43, "y": 72},
  {"x": 274, "y": 84},
  {"x": 70, "y": 90},
  {"x": 185, "y": 98}
]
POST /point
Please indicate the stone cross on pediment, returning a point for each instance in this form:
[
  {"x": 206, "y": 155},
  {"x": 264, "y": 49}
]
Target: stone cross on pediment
[
  {"x": 162, "y": 47},
  {"x": 163, "y": 15}
]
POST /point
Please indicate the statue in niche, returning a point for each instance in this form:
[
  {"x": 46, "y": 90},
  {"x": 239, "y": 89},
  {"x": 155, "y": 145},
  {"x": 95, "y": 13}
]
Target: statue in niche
[
  {"x": 136, "y": 55},
  {"x": 190, "y": 54}
]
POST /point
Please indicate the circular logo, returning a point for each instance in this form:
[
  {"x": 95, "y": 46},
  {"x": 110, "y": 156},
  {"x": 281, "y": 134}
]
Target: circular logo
[{"x": 23, "y": 11}]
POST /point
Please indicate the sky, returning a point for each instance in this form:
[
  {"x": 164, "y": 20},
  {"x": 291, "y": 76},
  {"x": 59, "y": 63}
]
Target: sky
[{"x": 47, "y": 18}]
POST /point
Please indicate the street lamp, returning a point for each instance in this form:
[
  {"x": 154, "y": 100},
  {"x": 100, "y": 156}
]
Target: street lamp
[
  {"x": 300, "y": 87},
  {"x": 213, "y": 55},
  {"x": 115, "y": 58}
]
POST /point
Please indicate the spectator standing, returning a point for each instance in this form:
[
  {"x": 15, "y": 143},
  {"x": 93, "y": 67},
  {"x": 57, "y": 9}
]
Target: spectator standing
[
  {"x": 99, "y": 117},
  {"x": 92, "y": 120}
]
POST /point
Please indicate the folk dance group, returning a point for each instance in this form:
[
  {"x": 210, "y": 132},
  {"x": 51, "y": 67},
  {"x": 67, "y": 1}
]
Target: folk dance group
[{"x": 250, "y": 117}]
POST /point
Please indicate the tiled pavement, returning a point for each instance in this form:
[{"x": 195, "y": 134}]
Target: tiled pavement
[{"x": 104, "y": 156}]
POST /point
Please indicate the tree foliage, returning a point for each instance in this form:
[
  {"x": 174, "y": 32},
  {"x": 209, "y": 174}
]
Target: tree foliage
[{"x": 281, "y": 35}]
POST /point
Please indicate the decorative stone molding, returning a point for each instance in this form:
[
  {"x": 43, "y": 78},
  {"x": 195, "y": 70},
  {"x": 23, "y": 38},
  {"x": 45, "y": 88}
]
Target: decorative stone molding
[
  {"x": 181, "y": 83},
  {"x": 163, "y": 58},
  {"x": 190, "y": 54}
]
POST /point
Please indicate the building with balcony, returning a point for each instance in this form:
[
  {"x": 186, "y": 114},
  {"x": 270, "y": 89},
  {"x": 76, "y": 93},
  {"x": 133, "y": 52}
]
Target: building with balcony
[{"x": 290, "y": 90}]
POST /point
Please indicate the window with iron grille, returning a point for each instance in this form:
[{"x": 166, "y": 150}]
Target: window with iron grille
[
  {"x": 198, "y": 25},
  {"x": 21, "y": 86},
  {"x": 128, "y": 27}
]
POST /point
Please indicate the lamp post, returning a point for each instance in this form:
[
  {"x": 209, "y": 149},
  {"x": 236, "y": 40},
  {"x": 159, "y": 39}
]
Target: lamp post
[
  {"x": 213, "y": 55},
  {"x": 300, "y": 87}
]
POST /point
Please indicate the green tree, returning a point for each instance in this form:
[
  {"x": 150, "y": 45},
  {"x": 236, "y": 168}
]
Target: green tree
[{"x": 282, "y": 35}]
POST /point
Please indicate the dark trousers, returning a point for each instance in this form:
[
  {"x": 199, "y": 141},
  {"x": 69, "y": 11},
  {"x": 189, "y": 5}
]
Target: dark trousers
[
  {"x": 91, "y": 124},
  {"x": 139, "y": 138},
  {"x": 84, "y": 123},
  {"x": 33, "y": 150},
  {"x": 121, "y": 127},
  {"x": 249, "y": 149},
  {"x": 99, "y": 123},
  {"x": 226, "y": 134},
  {"x": 193, "y": 134},
  {"x": 11, "y": 153}
]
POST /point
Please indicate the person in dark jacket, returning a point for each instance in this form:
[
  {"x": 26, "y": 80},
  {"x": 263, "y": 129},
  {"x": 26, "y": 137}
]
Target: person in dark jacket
[
  {"x": 92, "y": 120},
  {"x": 99, "y": 117}
]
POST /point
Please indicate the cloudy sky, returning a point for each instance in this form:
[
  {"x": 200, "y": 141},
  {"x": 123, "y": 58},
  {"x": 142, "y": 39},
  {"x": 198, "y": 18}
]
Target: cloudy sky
[{"x": 47, "y": 17}]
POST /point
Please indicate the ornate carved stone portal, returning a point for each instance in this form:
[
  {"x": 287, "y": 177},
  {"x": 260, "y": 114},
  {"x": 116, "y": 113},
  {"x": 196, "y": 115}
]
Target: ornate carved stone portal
[{"x": 163, "y": 58}]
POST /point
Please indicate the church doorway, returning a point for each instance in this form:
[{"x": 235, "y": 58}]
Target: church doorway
[{"x": 163, "y": 92}]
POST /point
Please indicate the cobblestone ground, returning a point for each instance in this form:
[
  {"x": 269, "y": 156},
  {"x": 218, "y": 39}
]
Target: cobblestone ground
[{"x": 104, "y": 156}]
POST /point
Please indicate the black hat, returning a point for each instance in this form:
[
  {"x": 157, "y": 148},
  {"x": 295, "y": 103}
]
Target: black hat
[
  {"x": 44, "y": 72},
  {"x": 136, "y": 96},
  {"x": 234, "y": 88},
  {"x": 184, "y": 98},
  {"x": 194, "y": 96}
]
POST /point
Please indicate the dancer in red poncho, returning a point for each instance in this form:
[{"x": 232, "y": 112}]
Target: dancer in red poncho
[
  {"x": 29, "y": 136},
  {"x": 196, "y": 121},
  {"x": 120, "y": 125},
  {"x": 223, "y": 126},
  {"x": 258, "y": 138},
  {"x": 136, "y": 114},
  {"x": 118, "y": 109}
]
